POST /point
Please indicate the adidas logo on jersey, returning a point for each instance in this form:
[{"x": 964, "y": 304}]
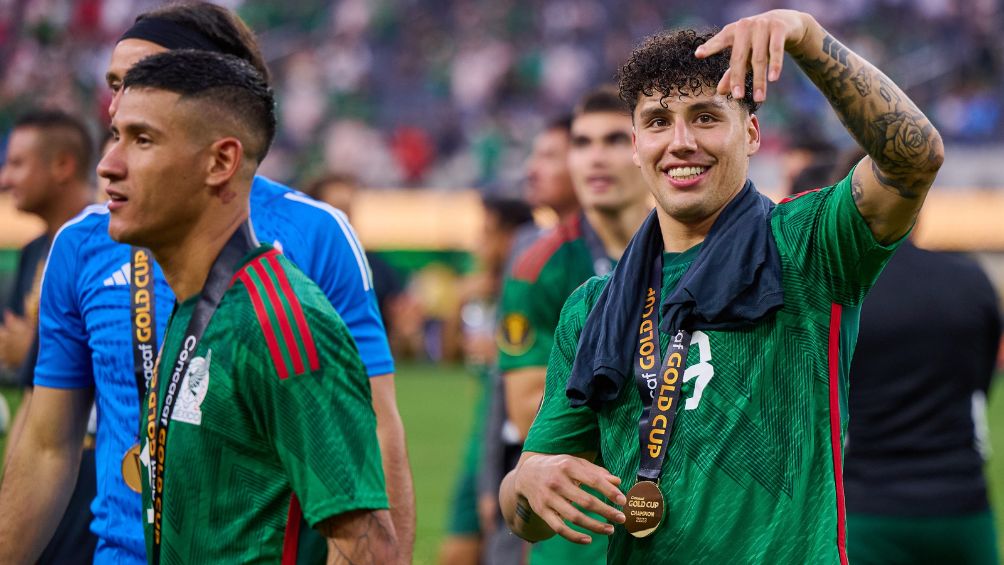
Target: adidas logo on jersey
[{"x": 120, "y": 277}]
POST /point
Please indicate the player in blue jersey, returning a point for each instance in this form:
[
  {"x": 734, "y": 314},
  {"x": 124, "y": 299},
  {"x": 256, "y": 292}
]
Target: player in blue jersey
[{"x": 87, "y": 330}]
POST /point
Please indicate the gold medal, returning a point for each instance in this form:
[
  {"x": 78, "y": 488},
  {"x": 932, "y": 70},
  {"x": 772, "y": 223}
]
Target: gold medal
[
  {"x": 644, "y": 509},
  {"x": 131, "y": 472}
]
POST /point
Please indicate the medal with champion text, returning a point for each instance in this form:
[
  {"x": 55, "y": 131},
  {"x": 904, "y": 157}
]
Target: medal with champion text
[
  {"x": 659, "y": 382},
  {"x": 142, "y": 310},
  {"x": 221, "y": 276}
]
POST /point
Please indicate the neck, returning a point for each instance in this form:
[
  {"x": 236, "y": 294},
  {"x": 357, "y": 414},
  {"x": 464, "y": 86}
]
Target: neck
[
  {"x": 566, "y": 212},
  {"x": 186, "y": 263},
  {"x": 616, "y": 229},
  {"x": 66, "y": 206},
  {"x": 679, "y": 236}
]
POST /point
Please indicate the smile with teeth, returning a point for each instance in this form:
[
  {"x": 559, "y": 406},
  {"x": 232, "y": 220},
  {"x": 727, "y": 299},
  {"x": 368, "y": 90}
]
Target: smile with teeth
[{"x": 685, "y": 173}]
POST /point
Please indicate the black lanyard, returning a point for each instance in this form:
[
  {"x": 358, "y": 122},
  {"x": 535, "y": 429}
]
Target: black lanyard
[
  {"x": 659, "y": 390},
  {"x": 602, "y": 264},
  {"x": 220, "y": 278},
  {"x": 142, "y": 309}
]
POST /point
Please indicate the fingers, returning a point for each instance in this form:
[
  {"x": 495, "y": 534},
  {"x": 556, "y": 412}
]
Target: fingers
[
  {"x": 605, "y": 483},
  {"x": 739, "y": 61},
  {"x": 572, "y": 492},
  {"x": 572, "y": 514},
  {"x": 776, "y": 50},
  {"x": 719, "y": 42},
  {"x": 557, "y": 523},
  {"x": 760, "y": 41}
]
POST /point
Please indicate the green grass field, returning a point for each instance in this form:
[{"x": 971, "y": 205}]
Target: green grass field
[{"x": 436, "y": 404}]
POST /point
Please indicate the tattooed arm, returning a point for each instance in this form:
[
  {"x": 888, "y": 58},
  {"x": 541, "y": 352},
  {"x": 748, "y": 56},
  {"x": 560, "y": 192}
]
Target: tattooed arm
[
  {"x": 904, "y": 150},
  {"x": 360, "y": 536}
]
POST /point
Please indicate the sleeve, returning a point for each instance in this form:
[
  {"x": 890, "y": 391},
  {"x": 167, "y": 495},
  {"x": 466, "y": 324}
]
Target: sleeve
[
  {"x": 840, "y": 254},
  {"x": 64, "y": 356},
  {"x": 320, "y": 422},
  {"x": 527, "y": 320},
  {"x": 559, "y": 428},
  {"x": 334, "y": 258}
]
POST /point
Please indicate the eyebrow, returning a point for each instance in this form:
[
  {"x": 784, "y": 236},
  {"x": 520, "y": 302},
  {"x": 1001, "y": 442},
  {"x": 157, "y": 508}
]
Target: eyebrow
[
  {"x": 136, "y": 128},
  {"x": 658, "y": 109}
]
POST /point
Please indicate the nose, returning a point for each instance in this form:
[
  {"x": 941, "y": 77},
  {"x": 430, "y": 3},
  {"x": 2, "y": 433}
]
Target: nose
[
  {"x": 112, "y": 165},
  {"x": 683, "y": 140}
]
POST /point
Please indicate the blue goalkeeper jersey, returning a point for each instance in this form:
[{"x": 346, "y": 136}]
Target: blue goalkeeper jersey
[{"x": 85, "y": 328}]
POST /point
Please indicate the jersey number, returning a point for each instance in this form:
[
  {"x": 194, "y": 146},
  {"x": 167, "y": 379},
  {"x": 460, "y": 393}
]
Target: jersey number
[{"x": 703, "y": 371}]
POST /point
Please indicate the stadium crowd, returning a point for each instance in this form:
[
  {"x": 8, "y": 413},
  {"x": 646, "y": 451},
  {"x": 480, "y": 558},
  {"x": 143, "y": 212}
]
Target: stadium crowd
[{"x": 445, "y": 93}]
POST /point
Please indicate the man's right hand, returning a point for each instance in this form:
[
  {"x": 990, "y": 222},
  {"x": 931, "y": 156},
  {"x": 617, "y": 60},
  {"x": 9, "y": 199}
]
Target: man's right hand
[{"x": 544, "y": 491}]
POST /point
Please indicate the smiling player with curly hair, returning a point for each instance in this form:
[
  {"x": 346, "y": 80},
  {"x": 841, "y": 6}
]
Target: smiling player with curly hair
[{"x": 700, "y": 388}]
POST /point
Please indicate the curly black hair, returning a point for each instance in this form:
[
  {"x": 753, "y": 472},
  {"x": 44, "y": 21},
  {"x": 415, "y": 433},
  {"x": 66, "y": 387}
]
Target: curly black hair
[{"x": 665, "y": 63}]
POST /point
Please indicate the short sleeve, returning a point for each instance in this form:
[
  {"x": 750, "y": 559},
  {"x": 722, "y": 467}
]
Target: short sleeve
[
  {"x": 64, "y": 356},
  {"x": 527, "y": 319},
  {"x": 559, "y": 428},
  {"x": 320, "y": 422},
  {"x": 823, "y": 234},
  {"x": 331, "y": 255}
]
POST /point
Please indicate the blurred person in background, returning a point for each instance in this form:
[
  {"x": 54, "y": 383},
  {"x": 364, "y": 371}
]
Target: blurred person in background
[
  {"x": 615, "y": 200},
  {"x": 917, "y": 440},
  {"x": 48, "y": 172},
  {"x": 88, "y": 346},
  {"x": 402, "y": 315},
  {"x": 809, "y": 158},
  {"x": 467, "y": 528},
  {"x": 547, "y": 186}
]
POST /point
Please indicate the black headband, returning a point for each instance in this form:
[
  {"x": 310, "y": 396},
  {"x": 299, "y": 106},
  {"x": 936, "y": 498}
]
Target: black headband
[{"x": 169, "y": 34}]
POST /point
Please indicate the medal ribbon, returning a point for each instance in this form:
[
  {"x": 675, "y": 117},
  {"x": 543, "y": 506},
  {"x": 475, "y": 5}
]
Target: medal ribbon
[
  {"x": 659, "y": 390},
  {"x": 220, "y": 278},
  {"x": 142, "y": 303}
]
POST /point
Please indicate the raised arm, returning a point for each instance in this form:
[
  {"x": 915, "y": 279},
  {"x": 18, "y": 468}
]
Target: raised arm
[{"x": 904, "y": 150}]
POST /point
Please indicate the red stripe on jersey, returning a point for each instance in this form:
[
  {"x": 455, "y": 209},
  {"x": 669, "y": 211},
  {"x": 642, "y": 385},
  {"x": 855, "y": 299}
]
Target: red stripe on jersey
[
  {"x": 835, "y": 444},
  {"x": 291, "y": 539},
  {"x": 280, "y": 314},
  {"x": 799, "y": 195},
  {"x": 529, "y": 265},
  {"x": 265, "y": 323},
  {"x": 301, "y": 320}
]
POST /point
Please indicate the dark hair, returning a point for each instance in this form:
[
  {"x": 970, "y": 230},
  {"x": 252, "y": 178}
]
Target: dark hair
[
  {"x": 604, "y": 98},
  {"x": 562, "y": 123},
  {"x": 219, "y": 25},
  {"x": 313, "y": 187},
  {"x": 63, "y": 133},
  {"x": 511, "y": 212},
  {"x": 665, "y": 63},
  {"x": 231, "y": 86}
]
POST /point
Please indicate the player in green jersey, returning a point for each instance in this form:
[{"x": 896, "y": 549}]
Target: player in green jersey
[
  {"x": 751, "y": 469},
  {"x": 614, "y": 201},
  {"x": 259, "y": 412}
]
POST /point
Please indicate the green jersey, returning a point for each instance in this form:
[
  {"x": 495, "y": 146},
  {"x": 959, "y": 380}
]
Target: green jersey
[
  {"x": 753, "y": 471},
  {"x": 275, "y": 403},
  {"x": 542, "y": 279}
]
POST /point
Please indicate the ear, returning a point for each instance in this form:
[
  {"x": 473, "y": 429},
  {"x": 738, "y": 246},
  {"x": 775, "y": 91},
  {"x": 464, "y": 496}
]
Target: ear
[
  {"x": 226, "y": 156},
  {"x": 753, "y": 135},
  {"x": 634, "y": 147},
  {"x": 63, "y": 166}
]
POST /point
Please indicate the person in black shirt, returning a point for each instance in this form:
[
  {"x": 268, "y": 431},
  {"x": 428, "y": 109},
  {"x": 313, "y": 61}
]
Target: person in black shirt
[{"x": 913, "y": 473}]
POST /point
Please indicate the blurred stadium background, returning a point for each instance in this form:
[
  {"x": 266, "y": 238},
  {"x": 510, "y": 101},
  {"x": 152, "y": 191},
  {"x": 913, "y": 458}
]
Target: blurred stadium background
[{"x": 430, "y": 103}]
